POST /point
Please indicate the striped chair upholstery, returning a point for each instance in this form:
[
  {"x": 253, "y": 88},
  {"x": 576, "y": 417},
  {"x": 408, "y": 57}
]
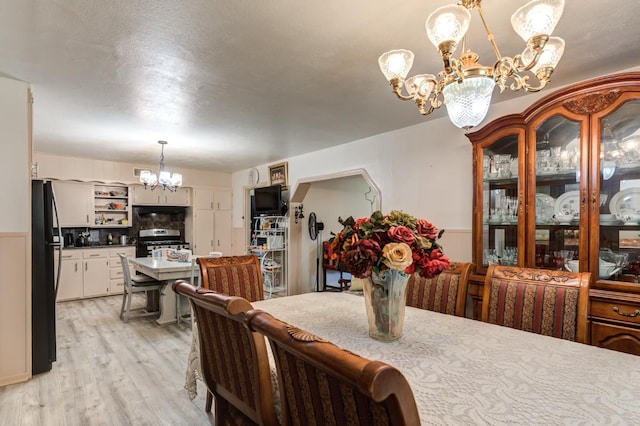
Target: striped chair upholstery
[
  {"x": 446, "y": 293},
  {"x": 552, "y": 303},
  {"x": 235, "y": 363},
  {"x": 321, "y": 384},
  {"x": 233, "y": 275}
]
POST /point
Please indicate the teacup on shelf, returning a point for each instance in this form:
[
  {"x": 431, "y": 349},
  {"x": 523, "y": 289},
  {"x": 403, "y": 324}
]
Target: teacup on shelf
[
  {"x": 630, "y": 218},
  {"x": 563, "y": 218}
]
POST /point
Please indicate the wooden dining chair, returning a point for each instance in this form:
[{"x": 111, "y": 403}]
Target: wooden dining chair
[
  {"x": 232, "y": 275},
  {"x": 548, "y": 302},
  {"x": 320, "y": 383},
  {"x": 446, "y": 293},
  {"x": 136, "y": 284},
  {"x": 234, "y": 360}
]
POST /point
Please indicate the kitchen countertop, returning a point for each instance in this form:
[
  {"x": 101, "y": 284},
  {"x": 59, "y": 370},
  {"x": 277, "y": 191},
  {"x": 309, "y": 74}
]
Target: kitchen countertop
[{"x": 96, "y": 246}]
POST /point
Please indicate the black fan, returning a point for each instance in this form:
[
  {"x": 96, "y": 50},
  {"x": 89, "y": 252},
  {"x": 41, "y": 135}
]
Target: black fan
[{"x": 314, "y": 226}]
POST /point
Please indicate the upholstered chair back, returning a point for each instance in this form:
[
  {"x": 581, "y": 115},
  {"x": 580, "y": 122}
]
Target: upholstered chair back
[
  {"x": 446, "y": 293},
  {"x": 322, "y": 384},
  {"x": 233, "y": 275},
  {"x": 548, "y": 302},
  {"x": 234, "y": 360}
]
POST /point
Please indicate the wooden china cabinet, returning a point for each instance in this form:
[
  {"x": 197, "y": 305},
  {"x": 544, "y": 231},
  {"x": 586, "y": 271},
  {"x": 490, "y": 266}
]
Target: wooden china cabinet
[{"x": 558, "y": 186}]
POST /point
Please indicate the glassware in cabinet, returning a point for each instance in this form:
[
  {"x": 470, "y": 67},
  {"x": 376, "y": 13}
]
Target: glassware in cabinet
[
  {"x": 501, "y": 211},
  {"x": 557, "y": 189},
  {"x": 618, "y": 251}
]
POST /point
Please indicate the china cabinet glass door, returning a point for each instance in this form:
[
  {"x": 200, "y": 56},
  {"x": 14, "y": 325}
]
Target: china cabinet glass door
[
  {"x": 618, "y": 251},
  {"x": 501, "y": 204},
  {"x": 557, "y": 180}
]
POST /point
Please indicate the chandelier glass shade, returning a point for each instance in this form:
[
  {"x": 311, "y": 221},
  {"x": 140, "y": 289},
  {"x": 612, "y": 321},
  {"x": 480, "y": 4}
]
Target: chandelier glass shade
[
  {"x": 164, "y": 179},
  {"x": 468, "y": 102},
  {"x": 463, "y": 84}
]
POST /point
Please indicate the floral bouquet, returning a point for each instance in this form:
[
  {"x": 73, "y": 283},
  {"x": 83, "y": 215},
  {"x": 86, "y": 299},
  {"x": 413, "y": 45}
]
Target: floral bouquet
[{"x": 397, "y": 241}]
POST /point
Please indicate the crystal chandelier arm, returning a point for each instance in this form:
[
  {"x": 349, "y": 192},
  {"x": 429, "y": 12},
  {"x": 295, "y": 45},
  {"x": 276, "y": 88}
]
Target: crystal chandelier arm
[
  {"x": 396, "y": 85},
  {"x": 490, "y": 36}
]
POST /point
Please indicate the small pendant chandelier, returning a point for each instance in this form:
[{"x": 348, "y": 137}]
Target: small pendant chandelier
[{"x": 165, "y": 179}]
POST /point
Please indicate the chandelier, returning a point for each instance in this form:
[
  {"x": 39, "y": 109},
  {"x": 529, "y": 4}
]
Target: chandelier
[
  {"x": 165, "y": 179},
  {"x": 464, "y": 85}
]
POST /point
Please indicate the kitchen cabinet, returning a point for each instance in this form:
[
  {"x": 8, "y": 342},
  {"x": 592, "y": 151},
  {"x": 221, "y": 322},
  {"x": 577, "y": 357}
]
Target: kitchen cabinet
[
  {"x": 209, "y": 199},
  {"x": 75, "y": 204},
  {"x": 558, "y": 187},
  {"x": 112, "y": 207},
  {"x": 212, "y": 232},
  {"x": 223, "y": 200},
  {"x": 159, "y": 197},
  {"x": 212, "y": 221},
  {"x": 223, "y": 220},
  {"x": 116, "y": 274},
  {"x": 204, "y": 232},
  {"x": 85, "y": 273},
  {"x": 95, "y": 272},
  {"x": 71, "y": 283}
]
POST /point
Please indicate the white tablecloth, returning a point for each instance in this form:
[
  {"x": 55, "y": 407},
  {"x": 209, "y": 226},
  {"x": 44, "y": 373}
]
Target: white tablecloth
[{"x": 463, "y": 371}]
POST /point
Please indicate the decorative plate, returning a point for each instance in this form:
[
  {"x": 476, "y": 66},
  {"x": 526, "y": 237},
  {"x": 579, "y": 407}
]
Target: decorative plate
[
  {"x": 545, "y": 205},
  {"x": 625, "y": 201},
  {"x": 568, "y": 203}
]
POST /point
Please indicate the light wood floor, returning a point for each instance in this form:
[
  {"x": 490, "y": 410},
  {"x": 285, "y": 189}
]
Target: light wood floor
[{"x": 108, "y": 373}]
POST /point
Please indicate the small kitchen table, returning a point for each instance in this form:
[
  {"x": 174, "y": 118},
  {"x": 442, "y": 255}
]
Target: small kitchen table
[{"x": 167, "y": 271}]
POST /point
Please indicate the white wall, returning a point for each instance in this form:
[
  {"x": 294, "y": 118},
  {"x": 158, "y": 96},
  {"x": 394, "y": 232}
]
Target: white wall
[
  {"x": 15, "y": 233},
  {"x": 15, "y": 152},
  {"x": 425, "y": 170}
]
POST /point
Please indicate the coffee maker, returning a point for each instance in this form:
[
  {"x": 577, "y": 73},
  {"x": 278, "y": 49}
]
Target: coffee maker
[{"x": 68, "y": 239}]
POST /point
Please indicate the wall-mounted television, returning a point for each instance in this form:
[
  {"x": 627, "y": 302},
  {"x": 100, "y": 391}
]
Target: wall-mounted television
[{"x": 267, "y": 200}]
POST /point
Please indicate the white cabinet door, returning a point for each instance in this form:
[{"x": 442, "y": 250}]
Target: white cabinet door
[
  {"x": 223, "y": 200},
  {"x": 116, "y": 274},
  {"x": 75, "y": 203},
  {"x": 178, "y": 198},
  {"x": 160, "y": 197},
  {"x": 203, "y": 199},
  {"x": 203, "y": 233},
  {"x": 143, "y": 196},
  {"x": 222, "y": 232},
  {"x": 95, "y": 277},
  {"x": 70, "y": 286}
]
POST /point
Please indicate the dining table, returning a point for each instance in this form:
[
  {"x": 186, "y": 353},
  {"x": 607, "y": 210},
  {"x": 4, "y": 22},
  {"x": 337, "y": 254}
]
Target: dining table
[
  {"x": 166, "y": 271},
  {"x": 464, "y": 371}
]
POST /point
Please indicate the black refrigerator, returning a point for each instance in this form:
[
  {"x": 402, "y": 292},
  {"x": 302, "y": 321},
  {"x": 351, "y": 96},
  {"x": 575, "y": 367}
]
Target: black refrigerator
[{"x": 44, "y": 282}]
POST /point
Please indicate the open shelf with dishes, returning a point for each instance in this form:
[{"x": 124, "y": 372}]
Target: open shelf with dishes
[{"x": 112, "y": 207}]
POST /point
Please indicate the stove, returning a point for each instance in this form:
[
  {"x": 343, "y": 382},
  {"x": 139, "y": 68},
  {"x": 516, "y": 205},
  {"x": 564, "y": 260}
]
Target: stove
[{"x": 151, "y": 239}]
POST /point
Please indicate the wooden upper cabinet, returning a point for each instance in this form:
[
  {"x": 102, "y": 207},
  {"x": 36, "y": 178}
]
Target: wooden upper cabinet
[{"x": 558, "y": 186}]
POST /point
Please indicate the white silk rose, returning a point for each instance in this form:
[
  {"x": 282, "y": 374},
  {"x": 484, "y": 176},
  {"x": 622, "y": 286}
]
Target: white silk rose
[{"x": 397, "y": 256}]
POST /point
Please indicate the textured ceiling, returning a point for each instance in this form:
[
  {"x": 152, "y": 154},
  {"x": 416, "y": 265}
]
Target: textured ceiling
[{"x": 233, "y": 84}]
